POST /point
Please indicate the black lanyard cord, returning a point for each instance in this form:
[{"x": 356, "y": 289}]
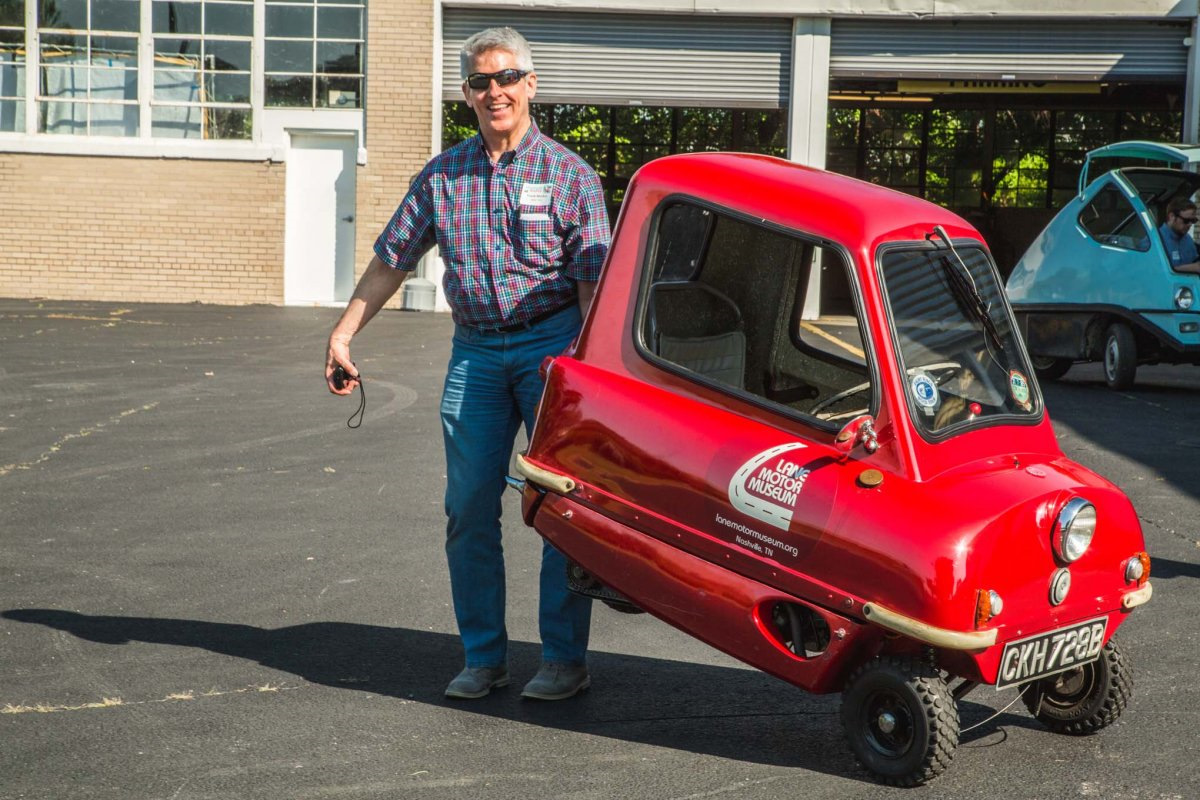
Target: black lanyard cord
[{"x": 362, "y": 406}]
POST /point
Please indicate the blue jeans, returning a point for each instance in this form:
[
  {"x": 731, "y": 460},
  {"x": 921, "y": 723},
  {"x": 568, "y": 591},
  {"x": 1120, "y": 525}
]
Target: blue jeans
[{"x": 492, "y": 386}]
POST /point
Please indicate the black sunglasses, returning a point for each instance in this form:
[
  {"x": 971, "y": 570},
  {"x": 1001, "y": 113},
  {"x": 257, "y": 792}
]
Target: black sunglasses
[
  {"x": 505, "y": 77},
  {"x": 1188, "y": 220}
]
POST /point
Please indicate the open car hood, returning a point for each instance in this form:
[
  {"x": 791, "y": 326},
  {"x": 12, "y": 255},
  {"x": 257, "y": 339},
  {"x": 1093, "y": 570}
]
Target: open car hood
[{"x": 1154, "y": 151}]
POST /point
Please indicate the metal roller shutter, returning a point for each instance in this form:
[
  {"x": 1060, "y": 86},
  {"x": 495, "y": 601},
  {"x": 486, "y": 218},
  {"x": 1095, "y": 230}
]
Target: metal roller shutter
[
  {"x": 609, "y": 59},
  {"x": 1043, "y": 50}
]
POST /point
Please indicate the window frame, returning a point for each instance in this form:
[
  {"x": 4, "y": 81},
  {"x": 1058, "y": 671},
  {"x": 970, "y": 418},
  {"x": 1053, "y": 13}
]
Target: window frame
[
  {"x": 790, "y": 413},
  {"x": 268, "y": 125},
  {"x": 18, "y": 99}
]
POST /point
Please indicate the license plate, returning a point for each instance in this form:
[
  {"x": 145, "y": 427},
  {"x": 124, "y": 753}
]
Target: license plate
[{"x": 1047, "y": 653}]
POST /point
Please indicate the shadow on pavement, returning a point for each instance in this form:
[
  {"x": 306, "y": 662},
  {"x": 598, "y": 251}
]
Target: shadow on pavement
[
  {"x": 733, "y": 713},
  {"x": 1154, "y": 424},
  {"x": 1167, "y": 568},
  {"x": 728, "y": 712}
]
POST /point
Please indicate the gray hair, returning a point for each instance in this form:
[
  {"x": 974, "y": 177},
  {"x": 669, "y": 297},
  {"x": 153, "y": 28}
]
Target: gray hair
[{"x": 505, "y": 39}]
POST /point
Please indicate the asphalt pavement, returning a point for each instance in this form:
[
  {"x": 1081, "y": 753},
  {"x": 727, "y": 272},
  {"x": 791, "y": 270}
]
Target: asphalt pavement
[{"x": 210, "y": 587}]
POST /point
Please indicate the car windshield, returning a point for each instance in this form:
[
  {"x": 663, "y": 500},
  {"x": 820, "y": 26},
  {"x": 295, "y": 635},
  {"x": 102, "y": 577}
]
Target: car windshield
[{"x": 962, "y": 362}]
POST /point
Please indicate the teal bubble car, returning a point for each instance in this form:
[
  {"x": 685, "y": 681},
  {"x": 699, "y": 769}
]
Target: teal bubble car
[{"x": 1097, "y": 284}]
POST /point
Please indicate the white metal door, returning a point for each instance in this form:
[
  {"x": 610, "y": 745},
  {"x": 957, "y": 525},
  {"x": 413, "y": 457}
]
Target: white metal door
[{"x": 319, "y": 236}]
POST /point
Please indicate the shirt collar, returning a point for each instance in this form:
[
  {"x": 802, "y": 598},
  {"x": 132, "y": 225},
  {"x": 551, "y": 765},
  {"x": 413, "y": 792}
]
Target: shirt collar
[{"x": 528, "y": 141}]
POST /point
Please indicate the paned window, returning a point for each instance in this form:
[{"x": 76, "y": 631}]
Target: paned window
[
  {"x": 1075, "y": 133},
  {"x": 954, "y": 169},
  {"x": 12, "y": 65},
  {"x": 314, "y": 54},
  {"x": 166, "y": 70},
  {"x": 1021, "y": 162},
  {"x": 88, "y": 80},
  {"x": 202, "y": 69},
  {"x": 893, "y": 148}
]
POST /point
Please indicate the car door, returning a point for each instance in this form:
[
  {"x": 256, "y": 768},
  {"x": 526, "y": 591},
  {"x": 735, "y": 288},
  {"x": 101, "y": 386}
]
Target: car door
[
  {"x": 752, "y": 335},
  {"x": 1117, "y": 260}
]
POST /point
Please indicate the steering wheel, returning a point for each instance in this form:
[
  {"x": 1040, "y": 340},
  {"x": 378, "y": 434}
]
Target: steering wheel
[
  {"x": 949, "y": 367},
  {"x": 842, "y": 395}
]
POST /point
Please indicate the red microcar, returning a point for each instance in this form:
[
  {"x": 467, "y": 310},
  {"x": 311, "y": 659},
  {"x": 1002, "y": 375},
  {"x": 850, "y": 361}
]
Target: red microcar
[{"x": 800, "y": 425}]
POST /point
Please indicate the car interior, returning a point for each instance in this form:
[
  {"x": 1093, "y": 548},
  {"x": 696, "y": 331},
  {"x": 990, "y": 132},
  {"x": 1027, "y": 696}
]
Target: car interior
[{"x": 739, "y": 304}]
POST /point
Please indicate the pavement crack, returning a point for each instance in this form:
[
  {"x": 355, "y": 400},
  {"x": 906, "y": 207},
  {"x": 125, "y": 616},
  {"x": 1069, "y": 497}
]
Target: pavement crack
[
  {"x": 117, "y": 702},
  {"x": 80, "y": 434}
]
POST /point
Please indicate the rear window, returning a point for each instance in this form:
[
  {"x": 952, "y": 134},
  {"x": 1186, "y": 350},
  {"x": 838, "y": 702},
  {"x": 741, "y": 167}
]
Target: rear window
[{"x": 963, "y": 365}]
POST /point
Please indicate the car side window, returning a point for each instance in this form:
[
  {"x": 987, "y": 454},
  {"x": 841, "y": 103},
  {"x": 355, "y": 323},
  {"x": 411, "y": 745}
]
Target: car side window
[
  {"x": 756, "y": 310},
  {"x": 1112, "y": 220}
]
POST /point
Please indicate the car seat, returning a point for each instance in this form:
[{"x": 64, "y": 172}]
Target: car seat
[{"x": 699, "y": 328}]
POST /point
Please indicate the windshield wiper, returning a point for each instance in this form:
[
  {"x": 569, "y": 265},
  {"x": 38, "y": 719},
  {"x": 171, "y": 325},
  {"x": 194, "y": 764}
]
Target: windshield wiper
[{"x": 963, "y": 285}]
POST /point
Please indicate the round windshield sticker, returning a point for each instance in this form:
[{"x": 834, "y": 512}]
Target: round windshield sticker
[
  {"x": 925, "y": 391},
  {"x": 1019, "y": 386}
]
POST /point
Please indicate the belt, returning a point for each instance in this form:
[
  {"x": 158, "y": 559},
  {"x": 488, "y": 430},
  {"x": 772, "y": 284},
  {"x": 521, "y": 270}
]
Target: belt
[{"x": 525, "y": 325}]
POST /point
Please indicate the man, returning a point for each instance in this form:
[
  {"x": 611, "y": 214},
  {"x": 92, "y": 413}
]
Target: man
[
  {"x": 521, "y": 225},
  {"x": 1176, "y": 235}
]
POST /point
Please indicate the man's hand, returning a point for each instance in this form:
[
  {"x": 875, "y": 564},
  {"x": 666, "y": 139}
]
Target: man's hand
[
  {"x": 338, "y": 355},
  {"x": 377, "y": 284}
]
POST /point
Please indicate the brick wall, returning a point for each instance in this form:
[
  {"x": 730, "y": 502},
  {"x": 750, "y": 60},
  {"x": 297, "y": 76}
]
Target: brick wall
[
  {"x": 399, "y": 112},
  {"x": 138, "y": 229},
  {"x": 177, "y": 230}
]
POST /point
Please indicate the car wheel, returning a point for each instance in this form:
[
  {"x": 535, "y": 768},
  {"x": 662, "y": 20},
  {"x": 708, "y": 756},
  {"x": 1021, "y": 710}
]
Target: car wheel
[
  {"x": 1120, "y": 356},
  {"x": 900, "y": 720},
  {"x": 1049, "y": 368},
  {"x": 1085, "y": 699}
]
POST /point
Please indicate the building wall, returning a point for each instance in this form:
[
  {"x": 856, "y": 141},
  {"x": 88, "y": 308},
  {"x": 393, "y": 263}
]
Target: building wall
[
  {"x": 399, "y": 113},
  {"x": 150, "y": 230},
  {"x": 91, "y": 227}
]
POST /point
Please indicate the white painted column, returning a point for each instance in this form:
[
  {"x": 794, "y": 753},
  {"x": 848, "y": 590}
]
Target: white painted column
[
  {"x": 808, "y": 114},
  {"x": 1191, "y": 102},
  {"x": 423, "y": 291}
]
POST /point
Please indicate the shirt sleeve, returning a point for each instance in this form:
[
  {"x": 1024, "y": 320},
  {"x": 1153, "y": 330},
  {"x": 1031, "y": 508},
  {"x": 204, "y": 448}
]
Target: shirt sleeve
[
  {"x": 410, "y": 233},
  {"x": 586, "y": 244},
  {"x": 1188, "y": 249}
]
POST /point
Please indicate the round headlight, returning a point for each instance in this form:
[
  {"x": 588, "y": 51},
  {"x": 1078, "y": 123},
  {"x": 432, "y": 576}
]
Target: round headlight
[
  {"x": 1073, "y": 529},
  {"x": 1183, "y": 298}
]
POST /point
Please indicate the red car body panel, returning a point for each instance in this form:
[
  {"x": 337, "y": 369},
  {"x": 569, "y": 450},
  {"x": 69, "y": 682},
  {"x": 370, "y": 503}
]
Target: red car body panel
[{"x": 657, "y": 456}]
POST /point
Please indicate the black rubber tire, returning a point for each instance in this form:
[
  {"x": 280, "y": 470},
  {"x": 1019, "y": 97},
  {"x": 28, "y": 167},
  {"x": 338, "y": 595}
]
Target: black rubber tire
[
  {"x": 1120, "y": 356},
  {"x": 1049, "y": 368},
  {"x": 923, "y": 713},
  {"x": 1083, "y": 700}
]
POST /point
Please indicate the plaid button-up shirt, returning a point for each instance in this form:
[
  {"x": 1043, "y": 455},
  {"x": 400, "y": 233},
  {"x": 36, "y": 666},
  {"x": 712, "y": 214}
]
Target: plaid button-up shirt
[{"x": 514, "y": 235}]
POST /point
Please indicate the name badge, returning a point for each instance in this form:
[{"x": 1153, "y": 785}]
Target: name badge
[
  {"x": 534, "y": 216},
  {"x": 535, "y": 194}
]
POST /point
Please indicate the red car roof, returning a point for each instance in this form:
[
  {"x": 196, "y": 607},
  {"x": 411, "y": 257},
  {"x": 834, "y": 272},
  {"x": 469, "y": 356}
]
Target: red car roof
[{"x": 811, "y": 200}]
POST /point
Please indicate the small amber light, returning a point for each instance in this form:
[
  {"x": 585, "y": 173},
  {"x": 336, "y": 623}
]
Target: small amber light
[
  {"x": 1144, "y": 557},
  {"x": 983, "y": 607}
]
